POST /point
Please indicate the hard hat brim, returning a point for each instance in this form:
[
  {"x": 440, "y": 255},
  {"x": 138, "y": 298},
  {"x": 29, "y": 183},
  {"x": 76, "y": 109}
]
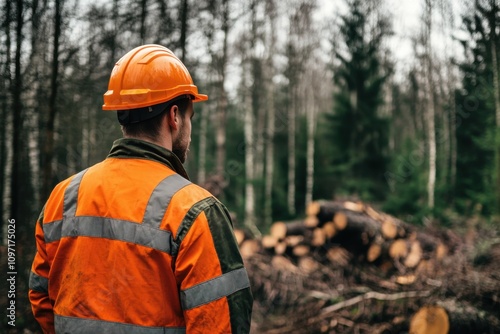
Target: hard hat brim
[{"x": 200, "y": 97}]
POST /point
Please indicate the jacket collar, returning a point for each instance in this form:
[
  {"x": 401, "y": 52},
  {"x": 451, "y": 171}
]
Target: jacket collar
[{"x": 141, "y": 149}]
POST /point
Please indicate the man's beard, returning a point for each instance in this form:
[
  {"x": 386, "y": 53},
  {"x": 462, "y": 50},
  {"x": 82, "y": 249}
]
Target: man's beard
[{"x": 180, "y": 146}]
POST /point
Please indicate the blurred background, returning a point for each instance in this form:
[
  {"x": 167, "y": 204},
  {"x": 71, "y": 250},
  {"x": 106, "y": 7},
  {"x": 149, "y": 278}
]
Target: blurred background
[{"x": 391, "y": 103}]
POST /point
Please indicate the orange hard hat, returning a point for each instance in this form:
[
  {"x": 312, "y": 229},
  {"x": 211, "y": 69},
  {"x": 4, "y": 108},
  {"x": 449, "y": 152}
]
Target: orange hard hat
[{"x": 146, "y": 76}]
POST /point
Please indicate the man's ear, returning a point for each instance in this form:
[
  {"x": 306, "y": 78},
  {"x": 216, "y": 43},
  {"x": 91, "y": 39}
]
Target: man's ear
[{"x": 173, "y": 117}]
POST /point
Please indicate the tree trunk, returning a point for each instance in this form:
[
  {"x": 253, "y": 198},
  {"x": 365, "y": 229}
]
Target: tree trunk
[
  {"x": 144, "y": 14},
  {"x": 249, "y": 164},
  {"x": 430, "y": 114},
  {"x": 5, "y": 84},
  {"x": 184, "y": 27},
  {"x": 268, "y": 204},
  {"x": 54, "y": 84},
  {"x": 453, "y": 127},
  {"x": 257, "y": 96},
  {"x": 35, "y": 70},
  {"x": 17, "y": 118},
  {"x": 291, "y": 151},
  {"x": 496, "y": 93},
  {"x": 311, "y": 124},
  {"x": 449, "y": 119},
  {"x": 116, "y": 27},
  {"x": 202, "y": 150},
  {"x": 222, "y": 95},
  {"x": 260, "y": 127},
  {"x": 249, "y": 136},
  {"x": 443, "y": 131}
]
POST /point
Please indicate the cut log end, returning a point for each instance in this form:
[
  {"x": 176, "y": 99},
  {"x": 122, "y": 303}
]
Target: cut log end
[
  {"x": 414, "y": 256},
  {"x": 430, "y": 320},
  {"x": 239, "y": 235},
  {"x": 329, "y": 230},
  {"x": 398, "y": 249},
  {"x": 389, "y": 229},
  {"x": 294, "y": 240},
  {"x": 278, "y": 230},
  {"x": 340, "y": 221},
  {"x": 441, "y": 251},
  {"x": 300, "y": 250},
  {"x": 269, "y": 241},
  {"x": 249, "y": 248},
  {"x": 373, "y": 252},
  {"x": 313, "y": 208},
  {"x": 280, "y": 248},
  {"x": 319, "y": 237},
  {"x": 311, "y": 221}
]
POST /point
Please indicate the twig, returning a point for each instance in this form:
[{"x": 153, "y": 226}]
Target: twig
[{"x": 371, "y": 295}]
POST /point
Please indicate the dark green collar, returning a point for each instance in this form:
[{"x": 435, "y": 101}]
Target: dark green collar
[{"x": 141, "y": 149}]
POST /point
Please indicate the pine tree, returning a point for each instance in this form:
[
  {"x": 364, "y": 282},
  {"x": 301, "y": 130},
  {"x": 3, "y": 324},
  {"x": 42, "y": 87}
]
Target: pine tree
[
  {"x": 476, "y": 115},
  {"x": 357, "y": 133}
]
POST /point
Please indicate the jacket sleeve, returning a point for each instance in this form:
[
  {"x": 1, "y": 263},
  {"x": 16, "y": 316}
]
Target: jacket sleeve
[
  {"x": 38, "y": 283},
  {"x": 214, "y": 286}
]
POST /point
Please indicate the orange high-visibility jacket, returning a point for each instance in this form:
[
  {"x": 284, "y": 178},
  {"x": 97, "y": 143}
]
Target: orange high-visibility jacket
[{"x": 129, "y": 245}]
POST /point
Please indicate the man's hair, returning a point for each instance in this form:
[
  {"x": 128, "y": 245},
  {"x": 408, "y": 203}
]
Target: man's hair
[{"x": 151, "y": 128}]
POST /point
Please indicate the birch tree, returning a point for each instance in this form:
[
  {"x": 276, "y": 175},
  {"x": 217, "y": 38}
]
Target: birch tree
[
  {"x": 217, "y": 23},
  {"x": 450, "y": 50},
  {"x": 311, "y": 126},
  {"x": 247, "y": 51},
  {"x": 292, "y": 73},
  {"x": 430, "y": 112},
  {"x": 298, "y": 52},
  {"x": 270, "y": 126},
  {"x": 221, "y": 61}
]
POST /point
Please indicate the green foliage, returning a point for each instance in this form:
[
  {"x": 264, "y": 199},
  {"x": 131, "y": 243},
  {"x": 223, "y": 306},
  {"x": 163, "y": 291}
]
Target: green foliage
[
  {"x": 235, "y": 163},
  {"x": 406, "y": 179},
  {"x": 475, "y": 119},
  {"x": 355, "y": 131}
]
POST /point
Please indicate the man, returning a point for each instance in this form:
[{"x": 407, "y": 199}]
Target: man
[{"x": 129, "y": 245}]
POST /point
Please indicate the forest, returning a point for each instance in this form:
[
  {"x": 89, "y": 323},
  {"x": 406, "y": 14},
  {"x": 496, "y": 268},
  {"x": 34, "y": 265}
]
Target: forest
[{"x": 309, "y": 101}]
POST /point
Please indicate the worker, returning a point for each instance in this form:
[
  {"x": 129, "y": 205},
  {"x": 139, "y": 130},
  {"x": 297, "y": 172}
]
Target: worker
[{"x": 130, "y": 245}]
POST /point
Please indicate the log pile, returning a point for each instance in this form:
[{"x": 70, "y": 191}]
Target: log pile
[{"x": 347, "y": 267}]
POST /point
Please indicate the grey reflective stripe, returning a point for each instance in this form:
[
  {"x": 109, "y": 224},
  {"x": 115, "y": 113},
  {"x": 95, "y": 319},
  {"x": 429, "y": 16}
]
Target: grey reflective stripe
[
  {"x": 160, "y": 198},
  {"x": 71, "y": 195},
  {"x": 214, "y": 289},
  {"x": 52, "y": 231},
  {"x": 114, "y": 229},
  {"x": 72, "y": 325},
  {"x": 38, "y": 283}
]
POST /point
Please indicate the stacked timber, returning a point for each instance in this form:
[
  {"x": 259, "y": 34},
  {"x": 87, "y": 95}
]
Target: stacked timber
[
  {"x": 344, "y": 231},
  {"x": 347, "y": 267}
]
